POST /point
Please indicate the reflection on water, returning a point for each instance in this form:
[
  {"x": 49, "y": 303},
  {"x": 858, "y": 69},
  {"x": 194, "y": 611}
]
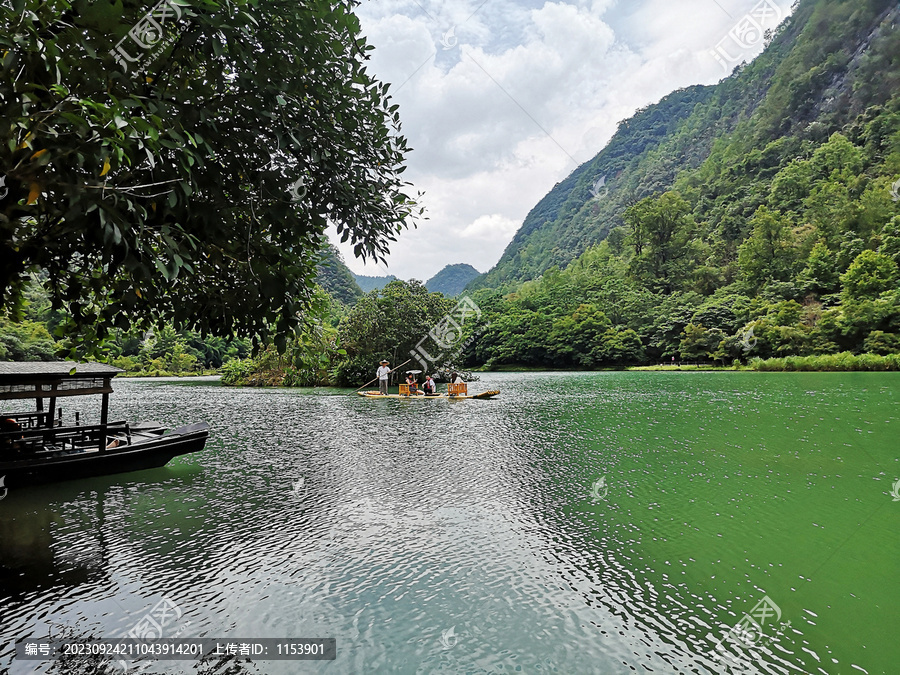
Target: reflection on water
[
  {"x": 472, "y": 536},
  {"x": 29, "y": 561}
]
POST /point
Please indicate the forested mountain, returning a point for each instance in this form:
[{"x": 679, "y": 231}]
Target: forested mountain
[
  {"x": 642, "y": 158},
  {"x": 335, "y": 278},
  {"x": 452, "y": 279},
  {"x": 372, "y": 283},
  {"x": 758, "y": 217},
  {"x": 825, "y": 65}
]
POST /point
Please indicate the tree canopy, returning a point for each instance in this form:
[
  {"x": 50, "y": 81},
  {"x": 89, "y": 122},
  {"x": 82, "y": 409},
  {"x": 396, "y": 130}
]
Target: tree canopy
[
  {"x": 387, "y": 323},
  {"x": 181, "y": 161}
]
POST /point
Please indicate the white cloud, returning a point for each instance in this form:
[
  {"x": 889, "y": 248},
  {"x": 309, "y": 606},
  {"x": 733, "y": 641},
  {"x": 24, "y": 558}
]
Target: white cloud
[
  {"x": 492, "y": 228},
  {"x": 525, "y": 92}
]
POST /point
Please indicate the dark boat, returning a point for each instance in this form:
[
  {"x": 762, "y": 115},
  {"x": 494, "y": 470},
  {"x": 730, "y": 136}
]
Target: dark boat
[{"x": 35, "y": 447}]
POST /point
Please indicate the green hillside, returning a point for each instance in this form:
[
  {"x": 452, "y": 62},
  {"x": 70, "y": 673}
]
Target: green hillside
[
  {"x": 452, "y": 279},
  {"x": 825, "y": 65},
  {"x": 575, "y": 214},
  {"x": 334, "y": 276},
  {"x": 758, "y": 217},
  {"x": 368, "y": 284}
]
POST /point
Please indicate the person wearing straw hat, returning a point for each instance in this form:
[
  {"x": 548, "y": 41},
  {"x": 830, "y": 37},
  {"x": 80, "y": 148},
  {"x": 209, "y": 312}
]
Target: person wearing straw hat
[{"x": 382, "y": 375}]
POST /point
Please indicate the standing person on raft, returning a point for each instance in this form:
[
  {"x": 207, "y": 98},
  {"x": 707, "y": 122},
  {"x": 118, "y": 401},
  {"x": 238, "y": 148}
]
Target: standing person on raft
[{"x": 382, "y": 375}]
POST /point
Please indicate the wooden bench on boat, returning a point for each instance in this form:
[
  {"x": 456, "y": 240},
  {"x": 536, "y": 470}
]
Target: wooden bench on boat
[{"x": 461, "y": 389}]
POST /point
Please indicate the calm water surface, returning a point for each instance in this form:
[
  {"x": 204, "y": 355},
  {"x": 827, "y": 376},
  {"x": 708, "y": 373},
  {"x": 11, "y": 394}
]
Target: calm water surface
[{"x": 580, "y": 523}]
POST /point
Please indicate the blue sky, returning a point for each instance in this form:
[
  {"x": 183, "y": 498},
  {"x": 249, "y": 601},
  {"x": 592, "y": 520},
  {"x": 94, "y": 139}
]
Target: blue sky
[{"x": 501, "y": 100}]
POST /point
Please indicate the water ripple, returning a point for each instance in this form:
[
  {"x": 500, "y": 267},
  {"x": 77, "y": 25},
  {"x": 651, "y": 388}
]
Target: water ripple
[{"x": 478, "y": 536}]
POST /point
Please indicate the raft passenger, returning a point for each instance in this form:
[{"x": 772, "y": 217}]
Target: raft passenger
[
  {"x": 430, "y": 388},
  {"x": 412, "y": 382}
]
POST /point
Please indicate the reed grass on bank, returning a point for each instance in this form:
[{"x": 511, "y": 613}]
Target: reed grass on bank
[{"x": 843, "y": 362}]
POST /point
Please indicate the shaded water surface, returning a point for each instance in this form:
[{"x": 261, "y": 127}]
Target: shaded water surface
[{"x": 580, "y": 523}]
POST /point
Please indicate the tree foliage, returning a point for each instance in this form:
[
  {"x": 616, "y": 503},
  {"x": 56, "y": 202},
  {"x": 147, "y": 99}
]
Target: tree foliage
[
  {"x": 193, "y": 186},
  {"x": 387, "y": 324},
  {"x": 869, "y": 275},
  {"x": 660, "y": 234}
]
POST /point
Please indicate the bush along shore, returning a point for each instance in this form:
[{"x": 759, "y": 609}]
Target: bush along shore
[
  {"x": 843, "y": 362},
  {"x": 835, "y": 363}
]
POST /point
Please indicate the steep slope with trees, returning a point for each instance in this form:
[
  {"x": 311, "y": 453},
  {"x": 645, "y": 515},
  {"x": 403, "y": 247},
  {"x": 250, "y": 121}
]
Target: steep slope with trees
[
  {"x": 826, "y": 64},
  {"x": 369, "y": 283},
  {"x": 334, "y": 277},
  {"x": 581, "y": 210},
  {"x": 784, "y": 241}
]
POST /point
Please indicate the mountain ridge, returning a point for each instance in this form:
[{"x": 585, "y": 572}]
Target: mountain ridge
[
  {"x": 335, "y": 277},
  {"x": 369, "y": 283},
  {"x": 652, "y": 148}
]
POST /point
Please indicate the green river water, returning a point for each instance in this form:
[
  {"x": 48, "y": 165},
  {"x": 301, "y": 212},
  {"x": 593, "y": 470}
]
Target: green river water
[{"x": 579, "y": 523}]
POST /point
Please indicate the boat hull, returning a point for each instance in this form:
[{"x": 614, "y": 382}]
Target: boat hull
[{"x": 148, "y": 453}]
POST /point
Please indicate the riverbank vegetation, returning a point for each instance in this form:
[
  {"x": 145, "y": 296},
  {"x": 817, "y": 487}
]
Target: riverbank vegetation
[
  {"x": 843, "y": 362},
  {"x": 814, "y": 275},
  {"x": 160, "y": 351},
  {"x": 830, "y": 363},
  {"x": 343, "y": 346}
]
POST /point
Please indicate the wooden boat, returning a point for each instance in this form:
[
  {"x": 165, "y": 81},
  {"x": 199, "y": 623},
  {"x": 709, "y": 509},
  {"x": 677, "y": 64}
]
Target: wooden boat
[{"x": 35, "y": 447}]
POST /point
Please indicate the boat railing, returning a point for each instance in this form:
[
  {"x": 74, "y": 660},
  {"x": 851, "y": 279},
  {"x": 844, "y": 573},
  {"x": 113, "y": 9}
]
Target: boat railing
[
  {"x": 29, "y": 442},
  {"x": 29, "y": 420}
]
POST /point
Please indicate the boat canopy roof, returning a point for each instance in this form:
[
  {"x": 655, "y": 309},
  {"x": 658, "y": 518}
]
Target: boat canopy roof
[{"x": 51, "y": 379}]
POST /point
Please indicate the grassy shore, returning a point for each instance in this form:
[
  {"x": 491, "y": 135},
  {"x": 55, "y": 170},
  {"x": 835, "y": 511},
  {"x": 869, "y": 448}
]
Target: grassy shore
[
  {"x": 689, "y": 368},
  {"x": 824, "y": 363},
  {"x": 843, "y": 362},
  {"x": 166, "y": 373}
]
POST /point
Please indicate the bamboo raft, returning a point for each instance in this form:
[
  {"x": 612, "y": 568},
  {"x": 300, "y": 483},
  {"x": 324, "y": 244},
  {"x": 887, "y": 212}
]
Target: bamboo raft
[{"x": 454, "y": 392}]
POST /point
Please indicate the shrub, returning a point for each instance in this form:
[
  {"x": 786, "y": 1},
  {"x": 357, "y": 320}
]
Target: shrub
[
  {"x": 129, "y": 364},
  {"x": 236, "y": 371},
  {"x": 843, "y": 362}
]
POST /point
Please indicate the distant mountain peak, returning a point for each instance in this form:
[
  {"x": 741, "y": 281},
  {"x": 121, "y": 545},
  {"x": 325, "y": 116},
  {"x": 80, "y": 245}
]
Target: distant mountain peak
[
  {"x": 373, "y": 283},
  {"x": 452, "y": 279}
]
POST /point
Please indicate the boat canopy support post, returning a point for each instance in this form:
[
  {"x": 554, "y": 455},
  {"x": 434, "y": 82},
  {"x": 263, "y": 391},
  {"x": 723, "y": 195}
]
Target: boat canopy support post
[
  {"x": 104, "y": 406},
  {"x": 104, "y": 414},
  {"x": 51, "y": 410}
]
